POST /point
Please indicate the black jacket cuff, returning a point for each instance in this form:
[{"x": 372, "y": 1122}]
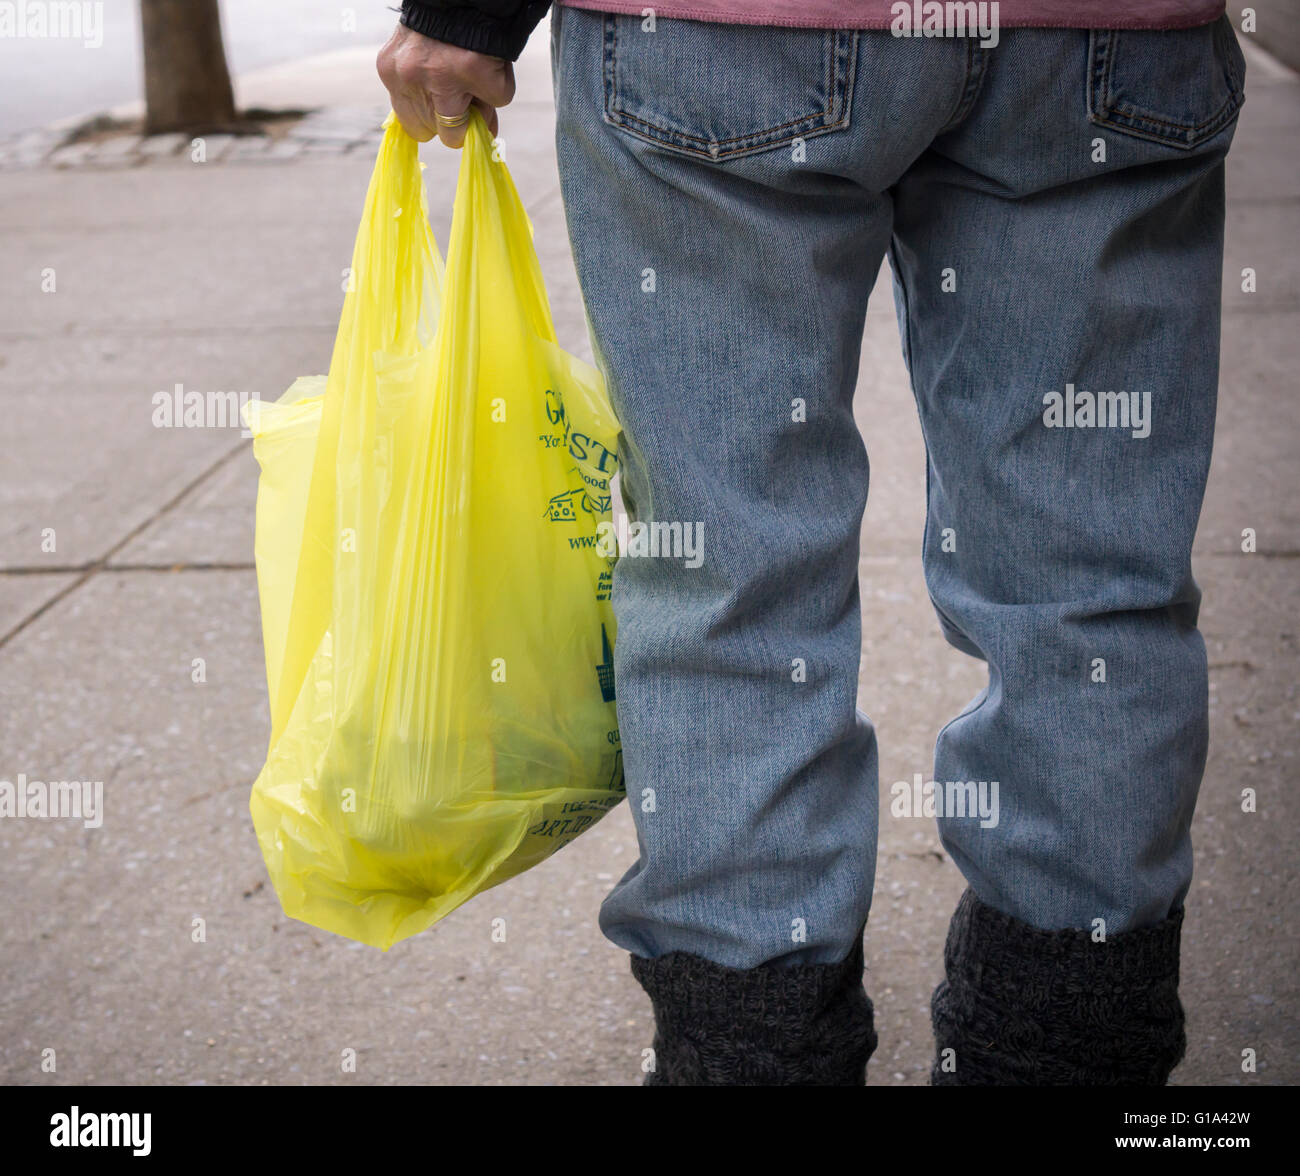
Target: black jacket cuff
[{"x": 472, "y": 28}]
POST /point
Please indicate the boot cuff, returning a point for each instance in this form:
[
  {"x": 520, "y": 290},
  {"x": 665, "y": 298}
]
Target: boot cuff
[
  {"x": 1044, "y": 966},
  {"x": 1024, "y": 1006},
  {"x": 807, "y": 1025}
]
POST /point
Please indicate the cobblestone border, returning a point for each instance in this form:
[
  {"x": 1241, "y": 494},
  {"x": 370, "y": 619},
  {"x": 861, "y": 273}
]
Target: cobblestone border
[{"x": 333, "y": 131}]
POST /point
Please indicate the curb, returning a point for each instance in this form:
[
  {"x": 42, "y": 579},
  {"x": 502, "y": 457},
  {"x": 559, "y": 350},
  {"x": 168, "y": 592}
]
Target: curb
[{"x": 330, "y": 131}]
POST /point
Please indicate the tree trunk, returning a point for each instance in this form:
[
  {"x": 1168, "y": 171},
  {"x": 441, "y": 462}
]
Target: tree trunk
[{"x": 186, "y": 82}]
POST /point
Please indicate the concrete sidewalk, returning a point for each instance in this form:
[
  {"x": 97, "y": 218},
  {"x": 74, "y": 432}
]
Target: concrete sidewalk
[{"x": 227, "y": 276}]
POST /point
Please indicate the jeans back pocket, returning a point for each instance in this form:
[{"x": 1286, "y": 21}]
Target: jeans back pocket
[
  {"x": 1178, "y": 87},
  {"x": 721, "y": 90}
]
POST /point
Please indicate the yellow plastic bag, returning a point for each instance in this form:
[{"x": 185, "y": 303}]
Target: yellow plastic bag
[{"x": 433, "y": 573}]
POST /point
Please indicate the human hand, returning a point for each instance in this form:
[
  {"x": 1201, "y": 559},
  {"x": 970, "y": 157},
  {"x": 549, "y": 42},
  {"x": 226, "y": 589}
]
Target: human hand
[{"x": 433, "y": 85}]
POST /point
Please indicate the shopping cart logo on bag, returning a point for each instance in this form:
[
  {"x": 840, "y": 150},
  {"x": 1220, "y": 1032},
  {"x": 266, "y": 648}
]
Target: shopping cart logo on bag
[
  {"x": 565, "y": 507},
  {"x": 605, "y": 670}
]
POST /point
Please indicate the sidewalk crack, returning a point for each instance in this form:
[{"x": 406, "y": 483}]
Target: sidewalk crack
[{"x": 94, "y": 567}]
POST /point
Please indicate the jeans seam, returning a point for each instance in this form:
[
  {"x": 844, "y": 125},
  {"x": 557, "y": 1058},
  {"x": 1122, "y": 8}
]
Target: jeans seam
[
  {"x": 894, "y": 265},
  {"x": 976, "y": 64},
  {"x": 911, "y": 383}
]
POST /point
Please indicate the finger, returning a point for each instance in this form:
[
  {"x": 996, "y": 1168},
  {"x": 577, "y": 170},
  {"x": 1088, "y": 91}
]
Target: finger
[
  {"x": 452, "y": 122},
  {"x": 489, "y": 116},
  {"x": 491, "y": 79},
  {"x": 413, "y": 116}
]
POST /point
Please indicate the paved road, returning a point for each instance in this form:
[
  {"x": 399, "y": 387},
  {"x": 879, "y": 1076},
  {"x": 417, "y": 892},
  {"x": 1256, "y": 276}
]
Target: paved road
[{"x": 212, "y": 276}]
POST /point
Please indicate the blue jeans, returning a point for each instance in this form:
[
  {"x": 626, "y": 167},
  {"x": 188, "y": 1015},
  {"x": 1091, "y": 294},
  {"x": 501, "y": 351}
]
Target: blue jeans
[{"x": 1052, "y": 208}]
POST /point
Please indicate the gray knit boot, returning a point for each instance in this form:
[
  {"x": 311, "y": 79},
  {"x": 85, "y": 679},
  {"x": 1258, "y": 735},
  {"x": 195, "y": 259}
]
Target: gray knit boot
[
  {"x": 1026, "y": 1007},
  {"x": 807, "y": 1025}
]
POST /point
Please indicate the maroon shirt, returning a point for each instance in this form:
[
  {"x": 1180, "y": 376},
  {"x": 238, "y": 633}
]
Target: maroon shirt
[{"x": 882, "y": 14}]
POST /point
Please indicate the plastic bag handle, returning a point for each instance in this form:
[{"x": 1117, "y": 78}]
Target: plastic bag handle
[{"x": 489, "y": 214}]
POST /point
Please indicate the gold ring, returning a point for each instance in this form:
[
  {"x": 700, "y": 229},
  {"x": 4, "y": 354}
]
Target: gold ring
[{"x": 456, "y": 120}]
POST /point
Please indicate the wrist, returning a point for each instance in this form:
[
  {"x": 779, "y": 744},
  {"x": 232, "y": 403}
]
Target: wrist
[{"x": 473, "y": 28}]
